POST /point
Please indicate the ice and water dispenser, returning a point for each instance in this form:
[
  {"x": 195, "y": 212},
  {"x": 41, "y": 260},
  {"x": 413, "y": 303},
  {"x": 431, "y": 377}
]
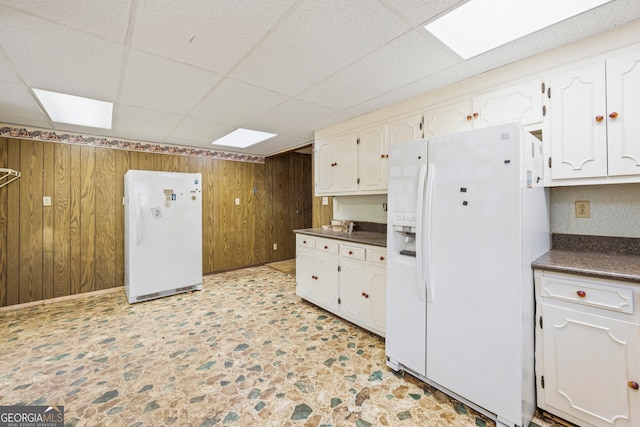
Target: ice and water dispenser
[{"x": 407, "y": 179}]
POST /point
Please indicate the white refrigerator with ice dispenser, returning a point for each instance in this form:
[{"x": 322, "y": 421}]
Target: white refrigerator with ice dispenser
[
  {"x": 163, "y": 234},
  {"x": 467, "y": 214}
]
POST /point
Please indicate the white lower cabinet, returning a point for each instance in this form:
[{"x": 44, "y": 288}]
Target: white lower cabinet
[
  {"x": 316, "y": 272},
  {"x": 350, "y": 282},
  {"x": 588, "y": 349}
]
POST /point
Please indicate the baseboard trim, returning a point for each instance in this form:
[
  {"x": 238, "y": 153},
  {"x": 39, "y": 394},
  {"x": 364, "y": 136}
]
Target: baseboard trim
[{"x": 61, "y": 299}]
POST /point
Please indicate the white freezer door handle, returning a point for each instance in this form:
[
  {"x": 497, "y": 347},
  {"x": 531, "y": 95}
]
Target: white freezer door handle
[
  {"x": 427, "y": 234},
  {"x": 422, "y": 177}
]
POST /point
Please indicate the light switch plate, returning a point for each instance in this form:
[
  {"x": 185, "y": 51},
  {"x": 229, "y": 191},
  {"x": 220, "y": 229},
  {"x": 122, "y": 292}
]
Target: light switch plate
[{"x": 46, "y": 201}]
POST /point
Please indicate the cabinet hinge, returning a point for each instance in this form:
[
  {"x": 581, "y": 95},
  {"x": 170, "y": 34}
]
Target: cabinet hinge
[
  {"x": 541, "y": 322},
  {"x": 358, "y": 181},
  {"x": 339, "y": 301},
  {"x": 542, "y": 381},
  {"x": 550, "y": 162},
  {"x": 339, "y": 269},
  {"x": 544, "y": 110},
  {"x": 549, "y": 93},
  {"x": 543, "y": 87},
  {"x": 358, "y": 141}
]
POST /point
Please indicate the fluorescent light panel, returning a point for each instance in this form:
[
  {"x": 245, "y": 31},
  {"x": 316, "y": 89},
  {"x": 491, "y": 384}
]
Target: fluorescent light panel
[
  {"x": 76, "y": 110},
  {"x": 481, "y": 25},
  {"x": 241, "y": 138}
]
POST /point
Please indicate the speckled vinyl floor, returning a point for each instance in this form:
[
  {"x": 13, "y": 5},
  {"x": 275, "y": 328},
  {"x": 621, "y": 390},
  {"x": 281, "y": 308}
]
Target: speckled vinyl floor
[{"x": 244, "y": 351}]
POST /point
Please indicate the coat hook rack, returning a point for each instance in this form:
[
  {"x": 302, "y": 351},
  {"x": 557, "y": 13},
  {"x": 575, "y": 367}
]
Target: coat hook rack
[{"x": 8, "y": 174}]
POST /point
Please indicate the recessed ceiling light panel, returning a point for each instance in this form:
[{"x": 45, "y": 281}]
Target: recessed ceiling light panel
[
  {"x": 241, "y": 138},
  {"x": 481, "y": 25},
  {"x": 76, "y": 110}
]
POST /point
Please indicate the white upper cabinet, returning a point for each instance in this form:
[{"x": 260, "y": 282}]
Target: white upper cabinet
[
  {"x": 578, "y": 128},
  {"x": 352, "y": 163},
  {"x": 521, "y": 102},
  {"x": 372, "y": 159},
  {"x": 405, "y": 128},
  {"x": 448, "y": 118},
  {"x": 594, "y": 124},
  {"x": 623, "y": 113},
  {"x": 336, "y": 165}
]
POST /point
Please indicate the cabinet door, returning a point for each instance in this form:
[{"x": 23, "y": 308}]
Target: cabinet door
[
  {"x": 521, "y": 102},
  {"x": 588, "y": 363},
  {"x": 404, "y": 129},
  {"x": 623, "y": 113},
  {"x": 305, "y": 275},
  {"x": 372, "y": 158},
  {"x": 335, "y": 165},
  {"x": 449, "y": 118},
  {"x": 345, "y": 172},
  {"x": 578, "y": 124},
  {"x": 325, "y": 289},
  {"x": 324, "y": 154},
  {"x": 353, "y": 292},
  {"x": 377, "y": 307}
]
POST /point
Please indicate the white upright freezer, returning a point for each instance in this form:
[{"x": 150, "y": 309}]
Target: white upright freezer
[
  {"x": 464, "y": 225},
  {"x": 163, "y": 234}
]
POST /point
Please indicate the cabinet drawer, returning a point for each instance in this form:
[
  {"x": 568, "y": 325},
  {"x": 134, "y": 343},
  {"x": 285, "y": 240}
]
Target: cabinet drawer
[
  {"x": 327, "y": 246},
  {"x": 305, "y": 241},
  {"x": 588, "y": 293},
  {"x": 354, "y": 252},
  {"x": 377, "y": 257}
]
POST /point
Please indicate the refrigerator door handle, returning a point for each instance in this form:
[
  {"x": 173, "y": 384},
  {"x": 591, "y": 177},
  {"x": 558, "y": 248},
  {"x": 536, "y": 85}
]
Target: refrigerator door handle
[
  {"x": 422, "y": 177},
  {"x": 427, "y": 234}
]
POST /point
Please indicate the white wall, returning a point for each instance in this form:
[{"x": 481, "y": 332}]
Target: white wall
[
  {"x": 360, "y": 208},
  {"x": 615, "y": 210}
]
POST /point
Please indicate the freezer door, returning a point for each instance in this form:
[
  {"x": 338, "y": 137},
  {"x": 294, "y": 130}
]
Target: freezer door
[
  {"x": 474, "y": 316},
  {"x": 406, "y": 303}
]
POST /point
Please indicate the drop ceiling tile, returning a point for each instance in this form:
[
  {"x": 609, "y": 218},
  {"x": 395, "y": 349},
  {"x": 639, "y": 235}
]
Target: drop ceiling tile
[
  {"x": 200, "y": 132},
  {"x": 403, "y": 61},
  {"x": 106, "y": 19},
  {"x": 143, "y": 124},
  {"x": 235, "y": 103},
  {"x": 171, "y": 87},
  {"x": 7, "y": 74},
  {"x": 307, "y": 131},
  {"x": 287, "y": 116},
  {"x": 434, "y": 81},
  {"x": 16, "y": 100},
  {"x": 418, "y": 12},
  {"x": 18, "y": 106},
  {"x": 318, "y": 39},
  {"x": 213, "y": 35},
  {"x": 53, "y": 57}
]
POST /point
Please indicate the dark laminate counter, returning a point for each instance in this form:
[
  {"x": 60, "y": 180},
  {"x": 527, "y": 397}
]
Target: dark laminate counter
[
  {"x": 595, "y": 264},
  {"x": 365, "y": 237}
]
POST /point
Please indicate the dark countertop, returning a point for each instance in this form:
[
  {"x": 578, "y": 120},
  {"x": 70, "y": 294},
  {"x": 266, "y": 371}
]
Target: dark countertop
[
  {"x": 364, "y": 237},
  {"x": 613, "y": 266}
]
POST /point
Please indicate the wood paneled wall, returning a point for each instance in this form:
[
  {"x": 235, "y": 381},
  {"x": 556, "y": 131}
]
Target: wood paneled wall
[{"x": 76, "y": 245}]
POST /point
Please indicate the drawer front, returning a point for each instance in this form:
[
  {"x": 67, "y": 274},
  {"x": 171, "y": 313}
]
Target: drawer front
[
  {"x": 377, "y": 257},
  {"x": 305, "y": 241},
  {"x": 354, "y": 252},
  {"x": 327, "y": 246},
  {"x": 587, "y": 293}
]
